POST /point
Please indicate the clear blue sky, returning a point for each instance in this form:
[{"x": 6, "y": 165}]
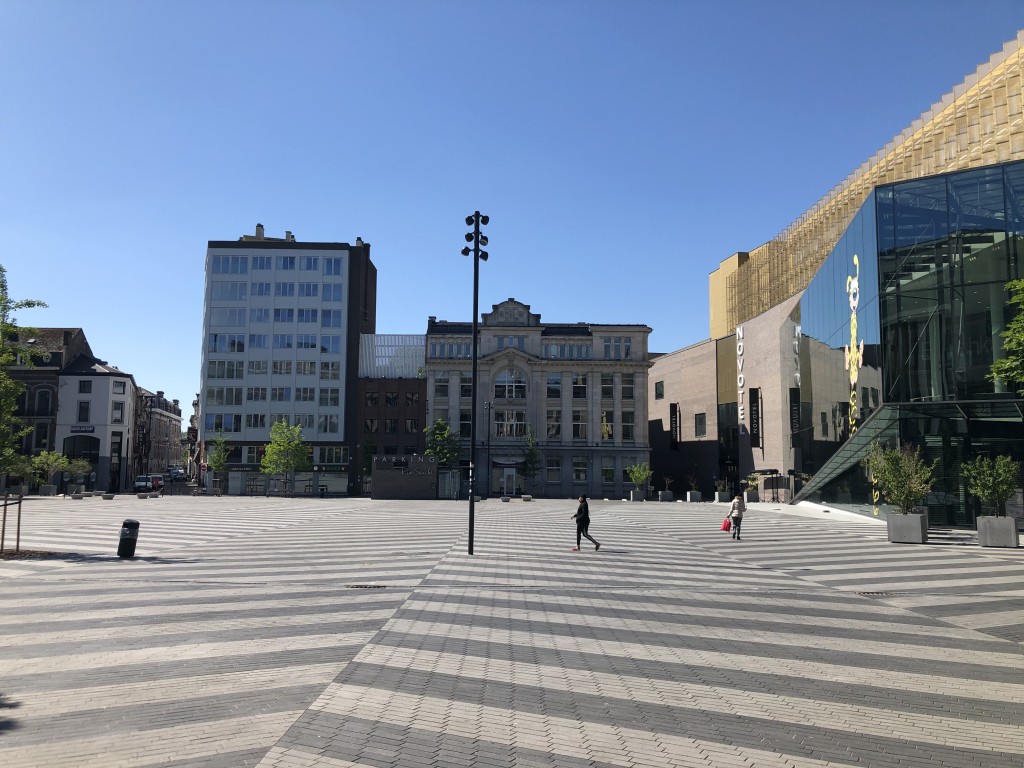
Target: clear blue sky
[{"x": 621, "y": 149}]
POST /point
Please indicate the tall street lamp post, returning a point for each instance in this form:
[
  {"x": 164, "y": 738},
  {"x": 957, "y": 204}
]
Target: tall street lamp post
[{"x": 477, "y": 239}]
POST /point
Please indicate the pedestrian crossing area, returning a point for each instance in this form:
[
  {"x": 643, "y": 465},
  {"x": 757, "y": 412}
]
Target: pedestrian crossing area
[{"x": 295, "y": 632}]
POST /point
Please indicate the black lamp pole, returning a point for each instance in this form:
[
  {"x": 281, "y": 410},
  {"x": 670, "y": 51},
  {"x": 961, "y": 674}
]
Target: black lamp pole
[{"x": 477, "y": 239}]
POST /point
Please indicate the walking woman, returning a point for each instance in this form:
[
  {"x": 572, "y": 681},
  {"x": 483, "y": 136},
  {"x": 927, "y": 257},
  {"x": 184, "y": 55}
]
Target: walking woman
[
  {"x": 736, "y": 513},
  {"x": 582, "y": 518}
]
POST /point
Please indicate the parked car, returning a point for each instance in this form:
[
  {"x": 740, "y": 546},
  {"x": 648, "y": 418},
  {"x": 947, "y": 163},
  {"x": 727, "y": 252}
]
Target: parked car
[{"x": 142, "y": 484}]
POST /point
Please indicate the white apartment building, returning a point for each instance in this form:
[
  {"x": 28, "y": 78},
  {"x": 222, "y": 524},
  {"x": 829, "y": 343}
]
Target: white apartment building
[
  {"x": 281, "y": 327},
  {"x": 96, "y": 406},
  {"x": 582, "y": 387}
]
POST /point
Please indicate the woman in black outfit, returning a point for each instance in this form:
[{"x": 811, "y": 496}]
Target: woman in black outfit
[{"x": 582, "y": 518}]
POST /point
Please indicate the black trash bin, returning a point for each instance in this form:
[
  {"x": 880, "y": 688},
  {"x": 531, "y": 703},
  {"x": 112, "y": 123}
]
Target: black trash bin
[{"x": 129, "y": 536}]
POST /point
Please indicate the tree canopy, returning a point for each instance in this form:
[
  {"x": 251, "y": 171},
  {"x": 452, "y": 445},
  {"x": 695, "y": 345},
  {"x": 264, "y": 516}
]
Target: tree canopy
[
  {"x": 442, "y": 443},
  {"x": 994, "y": 482},
  {"x": 1010, "y": 368},
  {"x": 12, "y": 429},
  {"x": 640, "y": 474},
  {"x": 286, "y": 452},
  {"x": 531, "y": 456},
  {"x": 902, "y": 474},
  {"x": 217, "y": 459},
  {"x": 47, "y": 464}
]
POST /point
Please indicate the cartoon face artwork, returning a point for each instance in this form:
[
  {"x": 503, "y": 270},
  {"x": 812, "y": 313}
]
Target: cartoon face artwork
[
  {"x": 853, "y": 353},
  {"x": 853, "y": 287}
]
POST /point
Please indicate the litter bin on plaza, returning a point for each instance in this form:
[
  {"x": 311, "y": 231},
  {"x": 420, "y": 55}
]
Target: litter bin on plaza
[{"x": 129, "y": 536}]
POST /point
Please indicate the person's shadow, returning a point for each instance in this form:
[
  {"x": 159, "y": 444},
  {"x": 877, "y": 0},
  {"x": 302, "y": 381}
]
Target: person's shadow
[{"x": 7, "y": 723}]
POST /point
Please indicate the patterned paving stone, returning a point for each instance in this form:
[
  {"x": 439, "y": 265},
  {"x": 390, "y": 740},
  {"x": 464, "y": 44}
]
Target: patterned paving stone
[{"x": 294, "y": 633}]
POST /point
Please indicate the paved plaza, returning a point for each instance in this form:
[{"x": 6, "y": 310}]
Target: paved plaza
[{"x": 288, "y": 633}]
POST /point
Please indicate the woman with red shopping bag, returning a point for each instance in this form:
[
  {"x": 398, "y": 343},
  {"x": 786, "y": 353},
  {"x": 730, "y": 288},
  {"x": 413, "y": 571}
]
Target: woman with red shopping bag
[{"x": 736, "y": 517}]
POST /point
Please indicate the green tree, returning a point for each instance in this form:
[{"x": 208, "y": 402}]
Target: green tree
[
  {"x": 47, "y": 464},
  {"x": 442, "y": 443},
  {"x": 79, "y": 468},
  {"x": 286, "y": 452},
  {"x": 12, "y": 429},
  {"x": 901, "y": 474},
  {"x": 994, "y": 482},
  {"x": 1011, "y": 367},
  {"x": 531, "y": 456},
  {"x": 640, "y": 475},
  {"x": 217, "y": 459}
]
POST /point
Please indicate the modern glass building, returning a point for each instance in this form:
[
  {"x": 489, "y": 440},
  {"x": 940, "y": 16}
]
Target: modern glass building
[
  {"x": 875, "y": 316},
  {"x": 898, "y": 331}
]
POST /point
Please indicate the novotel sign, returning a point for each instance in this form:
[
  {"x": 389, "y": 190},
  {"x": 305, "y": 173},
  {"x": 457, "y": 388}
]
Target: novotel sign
[{"x": 740, "y": 379}]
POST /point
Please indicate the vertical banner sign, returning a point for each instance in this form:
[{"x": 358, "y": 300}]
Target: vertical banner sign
[
  {"x": 754, "y": 405},
  {"x": 794, "y": 410},
  {"x": 673, "y": 410}
]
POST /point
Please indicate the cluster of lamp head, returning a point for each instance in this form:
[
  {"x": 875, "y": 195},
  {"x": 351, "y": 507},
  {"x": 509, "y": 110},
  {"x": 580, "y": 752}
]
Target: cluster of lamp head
[{"x": 476, "y": 221}]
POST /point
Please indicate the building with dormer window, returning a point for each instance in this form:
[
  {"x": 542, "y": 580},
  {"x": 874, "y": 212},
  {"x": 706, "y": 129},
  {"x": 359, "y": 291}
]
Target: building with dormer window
[{"x": 581, "y": 388}]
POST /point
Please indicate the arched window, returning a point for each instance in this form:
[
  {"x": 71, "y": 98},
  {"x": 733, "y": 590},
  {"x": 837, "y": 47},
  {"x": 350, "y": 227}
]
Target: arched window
[
  {"x": 510, "y": 385},
  {"x": 44, "y": 402}
]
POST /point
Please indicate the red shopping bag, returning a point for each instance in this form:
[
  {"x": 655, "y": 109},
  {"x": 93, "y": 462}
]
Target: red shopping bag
[{"x": 726, "y": 524}]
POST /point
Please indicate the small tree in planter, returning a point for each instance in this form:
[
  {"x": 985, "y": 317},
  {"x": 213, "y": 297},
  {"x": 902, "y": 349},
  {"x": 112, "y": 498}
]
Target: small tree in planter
[
  {"x": 721, "y": 490},
  {"x": 750, "y": 485},
  {"x": 218, "y": 460},
  {"x": 904, "y": 478},
  {"x": 79, "y": 469},
  {"x": 531, "y": 457},
  {"x": 693, "y": 494},
  {"x": 46, "y": 465},
  {"x": 994, "y": 483},
  {"x": 640, "y": 476},
  {"x": 666, "y": 495}
]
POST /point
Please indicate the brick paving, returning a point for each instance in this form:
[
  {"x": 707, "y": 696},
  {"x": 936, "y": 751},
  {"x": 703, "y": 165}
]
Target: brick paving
[{"x": 290, "y": 633}]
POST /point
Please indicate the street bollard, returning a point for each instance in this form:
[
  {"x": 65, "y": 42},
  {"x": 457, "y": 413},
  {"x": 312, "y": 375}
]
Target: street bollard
[{"x": 129, "y": 536}]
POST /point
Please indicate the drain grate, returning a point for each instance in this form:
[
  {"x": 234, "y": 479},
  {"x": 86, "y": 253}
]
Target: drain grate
[
  {"x": 365, "y": 586},
  {"x": 876, "y": 594}
]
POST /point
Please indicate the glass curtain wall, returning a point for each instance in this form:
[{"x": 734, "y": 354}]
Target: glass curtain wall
[
  {"x": 840, "y": 378},
  {"x": 947, "y": 247},
  {"x": 935, "y": 255}
]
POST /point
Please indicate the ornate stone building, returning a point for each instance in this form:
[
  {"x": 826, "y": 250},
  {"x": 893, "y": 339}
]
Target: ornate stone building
[{"x": 580, "y": 387}]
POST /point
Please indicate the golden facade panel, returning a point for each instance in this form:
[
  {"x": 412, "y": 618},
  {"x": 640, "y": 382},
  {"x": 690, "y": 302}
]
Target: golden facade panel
[{"x": 980, "y": 123}]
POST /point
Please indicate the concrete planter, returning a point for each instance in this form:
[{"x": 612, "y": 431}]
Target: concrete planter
[
  {"x": 527, "y": 497},
  {"x": 722, "y": 497},
  {"x": 108, "y": 496},
  {"x": 908, "y": 529},
  {"x": 47, "y": 490},
  {"x": 665, "y": 496},
  {"x": 997, "y": 531},
  {"x": 77, "y": 495},
  {"x": 693, "y": 496},
  {"x": 142, "y": 495},
  {"x": 637, "y": 495},
  {"x": 749, "y": 496},
  {"x": 506, "y": 498}
]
